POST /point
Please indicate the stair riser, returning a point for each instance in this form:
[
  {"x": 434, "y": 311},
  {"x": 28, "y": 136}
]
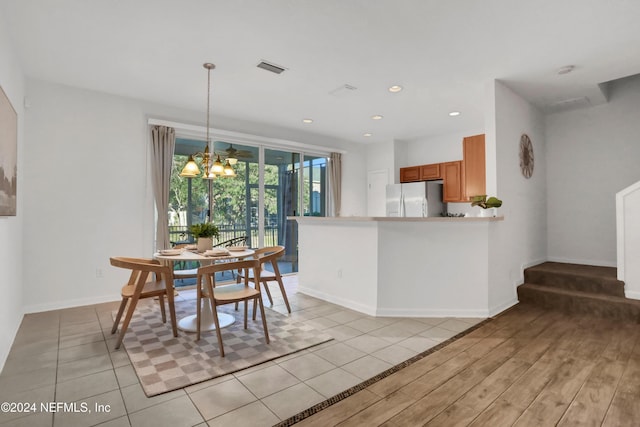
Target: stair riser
[
  {"x": 575, "y": 283},
  {"x": 579, "y": 304}
]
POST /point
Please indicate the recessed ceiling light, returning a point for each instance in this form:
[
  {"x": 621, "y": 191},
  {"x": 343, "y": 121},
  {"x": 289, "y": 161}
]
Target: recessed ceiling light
[
  {"x": 454, "y": 113},
  {"x": 367, "y": 134},
  {"x": 377, "y": 117},
  {"x": 395, "y": 88},
  {"x": 307, "y": 121}
]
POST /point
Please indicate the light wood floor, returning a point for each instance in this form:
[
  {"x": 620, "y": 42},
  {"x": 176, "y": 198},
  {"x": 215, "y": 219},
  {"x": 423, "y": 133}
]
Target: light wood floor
[{"x": 526, "y": 367}]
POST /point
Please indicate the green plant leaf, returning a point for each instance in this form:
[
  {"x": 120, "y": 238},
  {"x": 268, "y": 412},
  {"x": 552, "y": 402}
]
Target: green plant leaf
[
  {"x": 494, "y": 202},
  {"x": 206, "y": 229}
]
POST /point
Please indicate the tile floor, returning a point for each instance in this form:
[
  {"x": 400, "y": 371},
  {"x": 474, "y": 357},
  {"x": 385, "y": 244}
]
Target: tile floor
[{"x": 67, "y": 356}]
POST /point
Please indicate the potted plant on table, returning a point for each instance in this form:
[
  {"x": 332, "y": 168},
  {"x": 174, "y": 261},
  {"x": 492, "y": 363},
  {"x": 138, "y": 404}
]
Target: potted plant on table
[
  {"x": 204, "y": 233},
  {"x": 489, "y": 205}
]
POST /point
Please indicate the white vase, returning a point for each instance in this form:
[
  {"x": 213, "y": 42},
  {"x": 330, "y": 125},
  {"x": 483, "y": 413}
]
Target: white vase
[
  {"x": 205, "y": 243},
  {"x": 488, "y": 213}
]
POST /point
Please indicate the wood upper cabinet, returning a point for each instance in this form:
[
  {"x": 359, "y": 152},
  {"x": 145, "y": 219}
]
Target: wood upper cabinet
[
  {"x": 420, "y": 173},
  {"x": 410, "y": 174},
  {"x": 474, "y": 166},
  {"x": 430, "y": 172},
  {"x": 453, "y": 179},
  {"x": 462, "y": 178}
]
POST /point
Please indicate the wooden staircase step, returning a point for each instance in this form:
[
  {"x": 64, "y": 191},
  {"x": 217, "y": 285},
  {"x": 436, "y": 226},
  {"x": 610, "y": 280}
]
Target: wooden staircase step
[
  {"x": 575, "y": 277},
  {"x": 572, "y": 301}
]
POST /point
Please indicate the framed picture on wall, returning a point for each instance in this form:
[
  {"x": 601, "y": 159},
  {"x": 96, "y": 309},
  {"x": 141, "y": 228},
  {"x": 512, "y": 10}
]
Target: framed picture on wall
[{"x": 8, "y": 156}]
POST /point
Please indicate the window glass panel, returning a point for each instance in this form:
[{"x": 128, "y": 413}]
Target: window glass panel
[
  {"x": 315, "y": 186},
  {"x": 281, "y": 172},
  {"x": 235, "y": 199},
  {"x": 188, "y": 198}
]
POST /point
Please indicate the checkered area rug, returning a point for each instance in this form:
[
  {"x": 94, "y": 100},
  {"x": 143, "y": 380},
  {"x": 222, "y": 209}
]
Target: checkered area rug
[{"x": 164, "y": 363}]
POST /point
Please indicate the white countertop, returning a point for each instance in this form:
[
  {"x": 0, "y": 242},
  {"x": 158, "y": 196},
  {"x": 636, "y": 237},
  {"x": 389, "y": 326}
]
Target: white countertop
[{"x": 394, "y": 219}]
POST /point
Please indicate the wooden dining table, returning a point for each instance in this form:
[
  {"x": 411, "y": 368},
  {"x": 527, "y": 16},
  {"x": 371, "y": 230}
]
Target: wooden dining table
[{"x": 190, "y": 323}]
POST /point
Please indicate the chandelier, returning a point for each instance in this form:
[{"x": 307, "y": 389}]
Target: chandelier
[{"x": 212, "y": 168}]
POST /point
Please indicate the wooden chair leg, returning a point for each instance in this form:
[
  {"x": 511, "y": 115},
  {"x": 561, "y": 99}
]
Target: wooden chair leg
[
  {"x": 116, "y": 322},
  {"x": 284, "y": 293},
  {"x": 246, "y": 272},
  {"x": 246, "y": 310},
  {"x": 127, "y": 319},
  {"x": 172, "y": 312},
  {"x": 264, "y": 320},
  {"x": 162, "y": 310},
  {"x": 198, "y": 309},
  {"x": 215, "y": 319},
  {"x": 266, "y": 288}
]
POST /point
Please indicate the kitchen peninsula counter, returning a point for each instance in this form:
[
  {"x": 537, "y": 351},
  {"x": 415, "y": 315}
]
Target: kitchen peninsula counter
[
  {"x": 396, "y": 219},
  {"x": 404, "y": 267}
]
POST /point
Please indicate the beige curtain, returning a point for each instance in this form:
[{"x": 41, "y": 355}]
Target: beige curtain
[
  {"x": 335, "y": 172},
  {"x": 163, "y": 143}
]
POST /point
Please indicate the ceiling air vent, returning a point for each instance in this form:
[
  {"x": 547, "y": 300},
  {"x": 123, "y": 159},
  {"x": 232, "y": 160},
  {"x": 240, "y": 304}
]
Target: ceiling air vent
[
  {"x": 271, "y": 67},
  {"x": 568, "y": 104},
  {"x": 343, "y": 90}
]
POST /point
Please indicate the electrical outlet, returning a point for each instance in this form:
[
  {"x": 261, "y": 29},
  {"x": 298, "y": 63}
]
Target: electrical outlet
[
  {"x": 339, "y": 273},
  {"x": 99, "y": 273}
]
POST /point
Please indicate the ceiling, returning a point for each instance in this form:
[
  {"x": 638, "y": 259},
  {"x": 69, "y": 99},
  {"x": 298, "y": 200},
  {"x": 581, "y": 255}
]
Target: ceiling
[{"x": 443, "y": 53}]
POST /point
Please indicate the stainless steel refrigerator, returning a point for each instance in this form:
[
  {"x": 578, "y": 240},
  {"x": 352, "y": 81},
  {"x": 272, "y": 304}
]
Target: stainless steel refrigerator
[{"x": 415, "y": 199}]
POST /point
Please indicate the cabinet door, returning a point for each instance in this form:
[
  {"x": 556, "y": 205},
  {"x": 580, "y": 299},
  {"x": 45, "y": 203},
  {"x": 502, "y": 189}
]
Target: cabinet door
[
  {"x": 453, "y": 179},
  {"x": 410, "y": 174},
  {"x": 474, "y": 166},
  {"x": 428, "y": 172}
]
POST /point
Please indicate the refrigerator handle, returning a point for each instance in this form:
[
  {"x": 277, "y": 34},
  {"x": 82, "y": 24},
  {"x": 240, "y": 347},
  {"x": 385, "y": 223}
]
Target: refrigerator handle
[
  {"x": 401, "y": 207},
  {"x": 424, "y": 207}
]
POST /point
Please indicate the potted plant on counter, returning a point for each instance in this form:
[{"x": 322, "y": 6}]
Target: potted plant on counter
[
  {"x": 489, "y": 205},
  {"x": 204, "y": 233}
]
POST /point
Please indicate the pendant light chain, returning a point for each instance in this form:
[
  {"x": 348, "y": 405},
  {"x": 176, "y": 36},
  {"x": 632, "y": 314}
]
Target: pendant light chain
[{"x": 209, "y": 67}]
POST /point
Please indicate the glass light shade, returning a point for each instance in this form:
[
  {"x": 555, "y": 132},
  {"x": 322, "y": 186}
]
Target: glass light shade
[
  {"x": 191, "y": 169},
  {"x": 217, "y": 167},
  {"x": 232, "y": 160},
  {"x": 228, "y": 170},
  {"x": 209, "y": 175}
]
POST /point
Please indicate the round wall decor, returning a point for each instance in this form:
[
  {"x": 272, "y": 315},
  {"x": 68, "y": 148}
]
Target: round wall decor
[{"x": 526, "y": 156}]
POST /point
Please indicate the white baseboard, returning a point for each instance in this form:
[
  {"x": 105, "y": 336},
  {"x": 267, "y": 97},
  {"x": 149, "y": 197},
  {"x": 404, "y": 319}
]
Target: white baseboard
[
  {"x": 58, "y": 305},
  {"x": 502, "y": 307},
  {"x": 353, "y": 305},
  {"x": 445, "y": 312},
  {"x": 8, "y": 339},
  {"x": 632, "y": 294},
  {"x": 393, "y": 312}
]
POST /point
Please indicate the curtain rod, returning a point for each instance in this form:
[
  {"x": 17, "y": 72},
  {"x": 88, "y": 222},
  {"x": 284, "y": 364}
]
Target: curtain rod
[{"x": 239, "y": 137}]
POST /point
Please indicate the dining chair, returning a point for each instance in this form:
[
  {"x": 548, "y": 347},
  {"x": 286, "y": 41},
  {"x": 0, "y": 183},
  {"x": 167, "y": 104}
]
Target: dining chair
[
  {"x": 235, "y": 241},
  {"x": 183, "y": 270},
  {"x": 228, "y": 294},
  {"x": 267, "y": 255},
  {"x": 140, "y": 286}
]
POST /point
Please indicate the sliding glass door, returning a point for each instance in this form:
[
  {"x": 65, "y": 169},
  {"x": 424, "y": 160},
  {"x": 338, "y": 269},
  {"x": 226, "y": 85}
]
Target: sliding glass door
[
  {"x": 281, "y": 201},
  {"x": 271, "y": 185},
  {"x": 235, "y": 199}
]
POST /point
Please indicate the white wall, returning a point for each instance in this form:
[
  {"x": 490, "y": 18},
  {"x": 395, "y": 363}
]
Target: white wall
[
  {"x": 520, "y": 240},
  {"x": 592, "y": 153},
  {"x": 87, "y": 192},
  {"x": 354, "y": 182},
  {"x": 11, "y": 257},
  {"x": 628, "y": 241},
  {"x": 380, "y": 156},
  {"x": 437, "y": 149}
]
